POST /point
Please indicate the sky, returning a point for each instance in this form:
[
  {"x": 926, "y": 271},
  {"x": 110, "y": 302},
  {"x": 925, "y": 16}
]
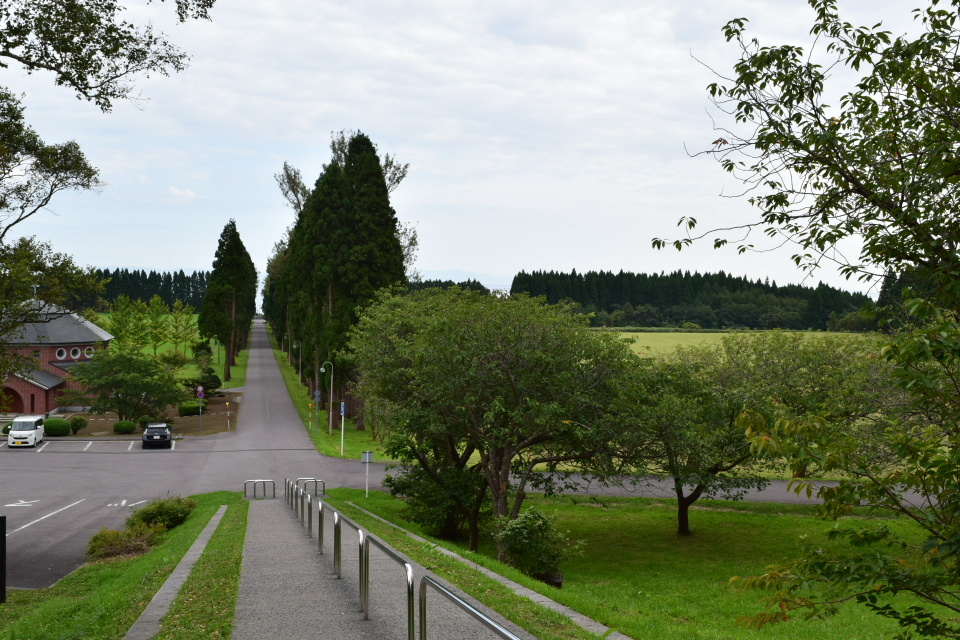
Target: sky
[{"x": 540, "y": 135}]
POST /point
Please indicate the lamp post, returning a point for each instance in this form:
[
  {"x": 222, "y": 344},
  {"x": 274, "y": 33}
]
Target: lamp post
[{"x": 323, "y": 369}]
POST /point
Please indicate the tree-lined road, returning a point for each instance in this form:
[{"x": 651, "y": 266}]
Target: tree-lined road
[{"x": 58, "y": 495}]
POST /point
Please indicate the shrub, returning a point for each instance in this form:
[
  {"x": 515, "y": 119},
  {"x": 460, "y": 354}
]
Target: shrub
[
  {"x": 143, "y": 421},
  {"x": 169, "y": 512},
  {"x": 532, "y": 544},
  {"x": 124, "y": 426},
  {"x": 6, "y": 428},
  {"x": 132, "y": 541},
  {"x": 77, "y": 423},
  {"x": 56, "y": 427},
  {"x": 192, "y": 407}
]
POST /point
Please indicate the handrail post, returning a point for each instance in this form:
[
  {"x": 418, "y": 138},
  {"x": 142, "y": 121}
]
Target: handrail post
[
  {"x": 302, "y": 494},
  {"x": 320, "y": 526},
  {"x": 309, "y": 517},
  {"x": 336, "y": 543},
  {"x": 364, "y": 575}
]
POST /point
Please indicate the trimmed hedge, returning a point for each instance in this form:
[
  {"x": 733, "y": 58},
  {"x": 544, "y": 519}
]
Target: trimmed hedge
[
  {"x": 124, "y": 426},
  {"x": 192, "y": 407},
  {"x": 77, "y": 423},
  {"x": 56, "y": 427}
]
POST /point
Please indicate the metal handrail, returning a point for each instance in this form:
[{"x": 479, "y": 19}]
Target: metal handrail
[
  {"x": 309, "y": 517},
  {"x": 338, "y": 520},
  {"x": 460, "y": 602},
  {"x": 264, "y": 483},
  {"x": 316, "y": 483},
  {"x": 365, "y": 582},
  {"x": 320, "y": 526}
]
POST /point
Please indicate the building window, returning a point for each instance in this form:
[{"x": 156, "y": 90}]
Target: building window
[
  {"x": 61, "y": 354},
  {"x": 88, "y": 352},
  {"x": 75, "y": 353}
]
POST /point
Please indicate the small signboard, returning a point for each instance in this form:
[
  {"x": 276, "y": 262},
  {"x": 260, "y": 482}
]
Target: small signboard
[
  {"x": 343, "y": 409},
  {"x": 199, "y": 394},
  {"x": 366, "y": 457}
]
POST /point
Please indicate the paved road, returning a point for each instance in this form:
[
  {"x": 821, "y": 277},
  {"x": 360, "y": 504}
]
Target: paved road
[{"x": 58, "y": 495}]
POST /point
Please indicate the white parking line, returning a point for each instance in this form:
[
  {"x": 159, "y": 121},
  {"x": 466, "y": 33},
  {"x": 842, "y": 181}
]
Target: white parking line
[
  {"x": 43, "y": 447},
  {"x": 130, "y": 447},
  {"x": 46, "y": 516},
  {"x": 173, "y": 445},
  {"x": 88, "y": 446}
]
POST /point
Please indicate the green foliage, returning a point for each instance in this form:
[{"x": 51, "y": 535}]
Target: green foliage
[
  {"x": 192, "y": 407},
  {"x": 77, "y": 424},
  {"x": 144, "y": 420},
  {"x": 56, "y": 427},
  {"x": 125, "y": 382},
  {"x": 132, "y": 541},
  {"x": 124, "y": 426},
  {"x": 170, "y": 512},
  {"x": 532, "y": 543},
  {"x": 447, "y": 374},
  {"x": 6, "y": 428},
  {"x": 229, "y": 305},
  {"x": 879, "y": 168}
]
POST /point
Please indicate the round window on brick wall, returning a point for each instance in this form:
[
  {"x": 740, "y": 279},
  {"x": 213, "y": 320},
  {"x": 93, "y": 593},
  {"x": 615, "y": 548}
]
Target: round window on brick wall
[
  {"x": 75, "y": 353},
  {"x": 61, "y": 354},
  {"x": 88, "y": 352}
]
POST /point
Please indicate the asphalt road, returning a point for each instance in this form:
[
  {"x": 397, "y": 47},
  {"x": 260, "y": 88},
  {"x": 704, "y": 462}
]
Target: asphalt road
[{"x": 56, "y": 496}]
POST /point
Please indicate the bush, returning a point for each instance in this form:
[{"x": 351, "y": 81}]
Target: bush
[
  {"x": 169, "y": 512},
  {"x": 132, "y": 541},
  {"x": 143, "y": 421},
  {"x": 124, "y": 426},
  {"x": 56, "y": 427},
  {"x": 6, "y": 428},
  {"x": 192, "y": 407},
  {"x": 532, "y": 544},
  {"x": 77, "y": 423}
]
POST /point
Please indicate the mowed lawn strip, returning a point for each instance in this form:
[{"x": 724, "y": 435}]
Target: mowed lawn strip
[
  {"x": 639, "y": 577},
  {"x": 207, "y": 602},
  {"x": 103, "y": 599}
]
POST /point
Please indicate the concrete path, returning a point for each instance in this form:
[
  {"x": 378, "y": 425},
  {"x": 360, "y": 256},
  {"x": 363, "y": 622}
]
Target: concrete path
[{"x": 288, "y": 588}]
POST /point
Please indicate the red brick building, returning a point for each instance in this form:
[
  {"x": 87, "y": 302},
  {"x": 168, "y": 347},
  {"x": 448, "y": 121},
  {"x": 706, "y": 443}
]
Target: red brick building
[{"x": 62, "y": 341}]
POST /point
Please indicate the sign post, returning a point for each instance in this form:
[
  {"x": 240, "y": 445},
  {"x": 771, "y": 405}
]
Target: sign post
[
  {"x": 366, "y": 458},
  {"x": 342, "y": 413},
  {"x": 200, "y": 403},
  {"x": 228, "y": 416}
]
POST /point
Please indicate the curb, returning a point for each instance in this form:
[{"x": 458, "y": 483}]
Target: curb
[{"x": 148, "y": 624}]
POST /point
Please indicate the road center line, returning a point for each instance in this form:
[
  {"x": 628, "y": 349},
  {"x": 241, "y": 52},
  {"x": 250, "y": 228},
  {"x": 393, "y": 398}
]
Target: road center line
[{"x": 46, "y": 516}]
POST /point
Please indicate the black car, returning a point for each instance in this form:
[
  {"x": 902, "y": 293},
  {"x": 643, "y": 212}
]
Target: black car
[{"x": 157, "y": 435}]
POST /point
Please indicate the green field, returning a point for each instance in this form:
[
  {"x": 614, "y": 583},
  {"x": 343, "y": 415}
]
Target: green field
[{"x": 657, "y": 343}]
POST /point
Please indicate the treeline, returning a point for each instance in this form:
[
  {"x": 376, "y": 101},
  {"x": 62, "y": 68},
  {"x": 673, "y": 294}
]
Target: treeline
[
  {"x": 142, "y": 285},
  {"x": 710, "y": 301}
]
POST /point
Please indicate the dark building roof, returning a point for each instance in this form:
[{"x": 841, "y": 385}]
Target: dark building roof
[
  {"x": 60, "y": 327},
  {"x": 42, "y": 379}
]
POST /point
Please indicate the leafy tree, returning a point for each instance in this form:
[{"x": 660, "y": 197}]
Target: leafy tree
[
  {"x": 125, "y": 382},
  {"x": 88, "y": 48},
  {"x": 520, "y": 383},
  {"x": 31, "y": 171},
  {"x": 183, "y": 325},
  {"x": 32, "y": 278},
  {"x": 228, "y": 308},
  {"x": 129, "y": 323},
  {"x": 158, "y": 321},
  {"x": 881, "y": 167}
]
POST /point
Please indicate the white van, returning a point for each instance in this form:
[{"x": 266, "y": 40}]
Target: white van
[{"x": 26, "y": 431}]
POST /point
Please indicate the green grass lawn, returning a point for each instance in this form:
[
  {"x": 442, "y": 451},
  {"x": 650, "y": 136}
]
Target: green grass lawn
[
  {"x": 654, "y": 344},
  {"x": 103, "y": 599},
  {"x": 638, "y": 576}
]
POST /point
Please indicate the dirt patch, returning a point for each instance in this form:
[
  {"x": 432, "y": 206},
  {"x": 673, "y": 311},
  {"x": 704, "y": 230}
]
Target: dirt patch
[{"x": 215, "y": 419}]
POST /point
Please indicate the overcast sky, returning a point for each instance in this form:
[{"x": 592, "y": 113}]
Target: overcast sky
[{"x": 540, "y": 135}]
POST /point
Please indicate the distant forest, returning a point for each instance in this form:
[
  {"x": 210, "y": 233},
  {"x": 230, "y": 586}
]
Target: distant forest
[
  {"x": 141, "y": 285},
  {"x": 710, "y": 301}
]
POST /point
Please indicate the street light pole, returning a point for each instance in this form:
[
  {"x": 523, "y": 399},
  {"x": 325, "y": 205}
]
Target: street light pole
[{"x": 330, "y": 399}]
